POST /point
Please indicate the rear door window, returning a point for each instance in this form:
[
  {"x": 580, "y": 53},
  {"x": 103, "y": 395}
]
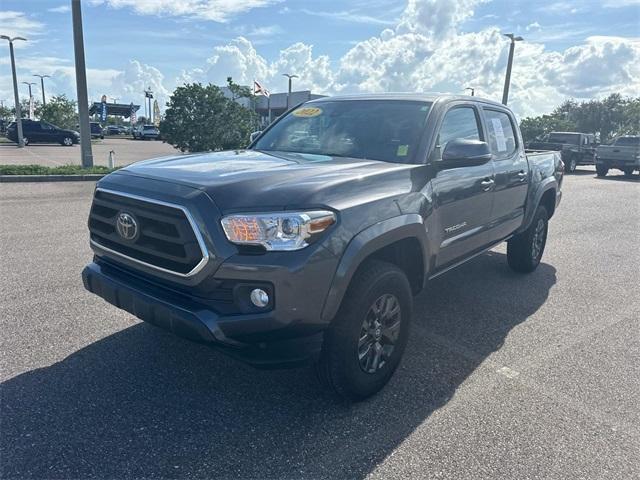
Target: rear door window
[{"x": 500, "y": 134}]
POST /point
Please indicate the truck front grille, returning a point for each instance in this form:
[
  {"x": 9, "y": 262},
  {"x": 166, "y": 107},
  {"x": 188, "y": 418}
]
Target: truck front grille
[{"x": 166, "y": 238}]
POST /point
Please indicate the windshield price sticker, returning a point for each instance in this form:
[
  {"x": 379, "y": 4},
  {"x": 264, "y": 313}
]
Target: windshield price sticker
[
  {"x": 499, "y": 133},
  {"x": 307, "y": 112}
]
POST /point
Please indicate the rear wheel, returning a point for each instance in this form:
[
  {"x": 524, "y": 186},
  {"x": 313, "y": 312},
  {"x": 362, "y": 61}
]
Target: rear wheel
[
  {"x": 601, "y": 170},
  {"x": 365, "y": 343},
  {"x": 25, "y": 140},
  {"x": 524, "y": 251}
]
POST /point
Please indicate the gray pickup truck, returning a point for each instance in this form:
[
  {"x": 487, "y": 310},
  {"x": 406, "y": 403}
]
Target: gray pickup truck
[
  {"x": 575, "y": 148},
  {"x": 310, "y": 245},
  {"x": 623, "y": 154}
]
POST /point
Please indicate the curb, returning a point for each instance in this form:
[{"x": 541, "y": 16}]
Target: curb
[{"x": 90, "y": 177}]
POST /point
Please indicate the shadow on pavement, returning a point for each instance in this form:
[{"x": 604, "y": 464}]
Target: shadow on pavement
[{"x": 141, "y": 403}]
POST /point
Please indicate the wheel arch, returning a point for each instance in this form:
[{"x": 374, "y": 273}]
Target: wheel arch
[{"x": 397, "y": 240}]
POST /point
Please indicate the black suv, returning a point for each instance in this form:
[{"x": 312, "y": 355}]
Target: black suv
[{"x": 39, "y": 131}]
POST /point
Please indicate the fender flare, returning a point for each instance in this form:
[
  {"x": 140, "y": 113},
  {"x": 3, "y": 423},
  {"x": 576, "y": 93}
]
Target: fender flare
[
  {"x": 547, "y": 184},
  {"x": 365, "y": 243}
]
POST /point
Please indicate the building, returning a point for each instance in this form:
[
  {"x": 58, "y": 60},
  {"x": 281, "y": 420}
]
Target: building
[{"x": 270, "y": 108}]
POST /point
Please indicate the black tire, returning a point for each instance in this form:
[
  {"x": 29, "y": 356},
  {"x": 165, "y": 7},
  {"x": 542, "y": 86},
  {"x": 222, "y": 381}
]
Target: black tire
[
  {"x": 66, "y": 142},
  {"x": 377, "y": 287},
  {"x": 524, "y": 251},
  {"x": 628, "y": 172},
  {"x": 571, "y": 165},
  {"x": 601, "y": 170}
]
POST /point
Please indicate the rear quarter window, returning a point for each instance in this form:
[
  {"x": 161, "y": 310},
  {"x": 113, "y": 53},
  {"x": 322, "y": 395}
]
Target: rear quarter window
[{"x": 501, "y": 134}]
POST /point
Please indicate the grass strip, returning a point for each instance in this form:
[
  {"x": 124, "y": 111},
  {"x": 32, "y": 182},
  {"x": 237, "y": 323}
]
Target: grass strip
[{"x": 60, "y": 170}]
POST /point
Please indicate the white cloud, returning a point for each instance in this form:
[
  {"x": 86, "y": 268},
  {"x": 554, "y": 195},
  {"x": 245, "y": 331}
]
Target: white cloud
[
  {"x": 14, "y": 24},
  {"x": 533, "y": 27},
  {"x": 426, "y": 52},
  {"x": 215, "y": 10},
  {"x": 348, "y": 16},
  {"x": 60, "y": 9}
]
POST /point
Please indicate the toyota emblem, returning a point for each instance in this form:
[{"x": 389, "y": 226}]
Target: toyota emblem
[{"x": 127, "y": 226}]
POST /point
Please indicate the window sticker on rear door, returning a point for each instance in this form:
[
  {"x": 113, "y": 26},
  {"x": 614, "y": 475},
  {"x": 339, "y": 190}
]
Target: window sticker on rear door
[{"x": 499, "y": 134}]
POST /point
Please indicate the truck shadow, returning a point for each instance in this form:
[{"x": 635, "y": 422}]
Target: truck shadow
[{"x": 141, "y": 403}]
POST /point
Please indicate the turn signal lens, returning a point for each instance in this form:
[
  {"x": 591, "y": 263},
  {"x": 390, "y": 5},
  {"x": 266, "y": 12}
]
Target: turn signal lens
[{"x": 277, "y": 231}]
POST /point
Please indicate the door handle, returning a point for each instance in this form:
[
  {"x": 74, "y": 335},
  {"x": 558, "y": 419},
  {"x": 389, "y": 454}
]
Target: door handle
[
  {"x": 522, "y": 175},
  {"x": 487, "y": 184}
]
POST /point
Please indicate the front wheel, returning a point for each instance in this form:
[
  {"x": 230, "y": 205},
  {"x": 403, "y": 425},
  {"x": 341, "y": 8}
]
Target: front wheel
[
  {"x": 365, "y": 343},
  {"x": 524, "y": 251},
  {"x": 601, "y": 170},
  {"x": 25, "y": 141},
  {"x": 67, "y": 141},
  {"x": 572, "y": 164}
]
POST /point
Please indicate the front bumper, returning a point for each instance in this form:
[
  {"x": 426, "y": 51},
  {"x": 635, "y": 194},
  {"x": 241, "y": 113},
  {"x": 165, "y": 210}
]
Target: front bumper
[{"x": 190, "y": 319}]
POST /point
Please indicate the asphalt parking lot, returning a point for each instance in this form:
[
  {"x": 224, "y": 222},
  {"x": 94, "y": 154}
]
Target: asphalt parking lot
[
  {"x": 506, "y": 376},
  {"x": 126, "y": 151}
]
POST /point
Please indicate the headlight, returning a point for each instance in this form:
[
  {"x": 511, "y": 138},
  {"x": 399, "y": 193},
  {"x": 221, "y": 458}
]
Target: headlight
[{"x": 278, "y": 230}]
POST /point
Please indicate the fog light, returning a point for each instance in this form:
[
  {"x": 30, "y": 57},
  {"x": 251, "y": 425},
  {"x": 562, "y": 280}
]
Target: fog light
[{"x": 259, "y": 298}]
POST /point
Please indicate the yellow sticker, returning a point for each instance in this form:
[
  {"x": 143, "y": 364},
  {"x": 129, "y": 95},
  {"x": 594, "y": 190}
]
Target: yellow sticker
[
  {"x": 402, "y": 150},
  {"x": 307, "y": 112}
]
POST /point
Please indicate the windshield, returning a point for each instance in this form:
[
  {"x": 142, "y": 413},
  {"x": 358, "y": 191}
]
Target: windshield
[
  {"x": 627, "y": 142},
  {"x": 387, "y": 130},
  {"x": 572, "y": 138}
]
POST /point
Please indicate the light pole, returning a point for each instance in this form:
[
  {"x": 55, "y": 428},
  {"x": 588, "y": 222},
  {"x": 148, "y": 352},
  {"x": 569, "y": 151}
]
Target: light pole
[
  {"x": 30, "y": 97},
  {"x": 290, "y": 77},
  {"x": 473, "y": 90},
  {"x": 507, "y": 78},
  {"x": 149, "y": 95},
  {"x": 42, "y": 77},
  {"x": 81, "y": 85},
  {"x": 15, "y": 87}
]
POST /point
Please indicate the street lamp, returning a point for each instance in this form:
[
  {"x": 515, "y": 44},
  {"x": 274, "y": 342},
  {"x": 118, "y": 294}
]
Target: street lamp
[
  {"x": 30, "y": 97},
  {"x": 289, "y": 76},
  {"x": 86, "y": 155},
  {"x": 42, "y": 77},
  {"x": 149, "y": 94},
  {"x": 473, "y": 90},
  {"x": 15, "y": 86},
  {"x": 507, "y": 78}
]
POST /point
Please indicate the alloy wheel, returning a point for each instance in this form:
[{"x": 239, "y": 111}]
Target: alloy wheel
[
  {"x": 538, "y": 239},
  {"x": 379, "y": 333}
]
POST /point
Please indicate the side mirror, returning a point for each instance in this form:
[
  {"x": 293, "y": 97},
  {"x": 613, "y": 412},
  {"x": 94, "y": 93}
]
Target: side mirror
[
  {"x": 254, "y": 135},
  {"x": 461, "y": 152}
]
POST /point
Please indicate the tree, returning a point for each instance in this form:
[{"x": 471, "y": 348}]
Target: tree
[
  {"x": 201, "y": 118},
  {"x": 59, "y": 111},
  {"x": 607, "y": 118}
]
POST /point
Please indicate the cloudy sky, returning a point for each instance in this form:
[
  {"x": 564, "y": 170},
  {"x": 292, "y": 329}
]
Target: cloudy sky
[{"x": 572, "y": 49}]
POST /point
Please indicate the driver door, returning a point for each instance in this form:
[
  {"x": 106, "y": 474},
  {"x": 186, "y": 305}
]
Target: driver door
[{"x": 463, "y": 196}]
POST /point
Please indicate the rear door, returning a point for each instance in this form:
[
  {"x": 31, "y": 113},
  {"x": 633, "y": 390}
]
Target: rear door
[
  {"x": 463, "y": 195},
  {"x": 49, "y": 133},
  {"x": 511, "y": 173}
]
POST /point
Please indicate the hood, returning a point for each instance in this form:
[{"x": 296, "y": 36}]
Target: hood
[{"x": 252, "y": 180}]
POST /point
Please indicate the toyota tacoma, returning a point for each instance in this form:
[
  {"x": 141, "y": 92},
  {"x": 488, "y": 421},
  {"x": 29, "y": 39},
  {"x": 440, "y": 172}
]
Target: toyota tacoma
[{"x": 309, "y": 245}]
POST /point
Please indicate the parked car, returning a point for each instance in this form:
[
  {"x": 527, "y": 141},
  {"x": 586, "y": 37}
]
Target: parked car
[
  {"x": 310, "y": 247},
  {"x": 146, "y": 132},
  {"x": 39, "y": 131},
  {"x": 623, "y": 154},
  {"x": 576, "y": 148},
  {"x": 115, "y": 130},
  {"x": 96, "y": 130}
]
